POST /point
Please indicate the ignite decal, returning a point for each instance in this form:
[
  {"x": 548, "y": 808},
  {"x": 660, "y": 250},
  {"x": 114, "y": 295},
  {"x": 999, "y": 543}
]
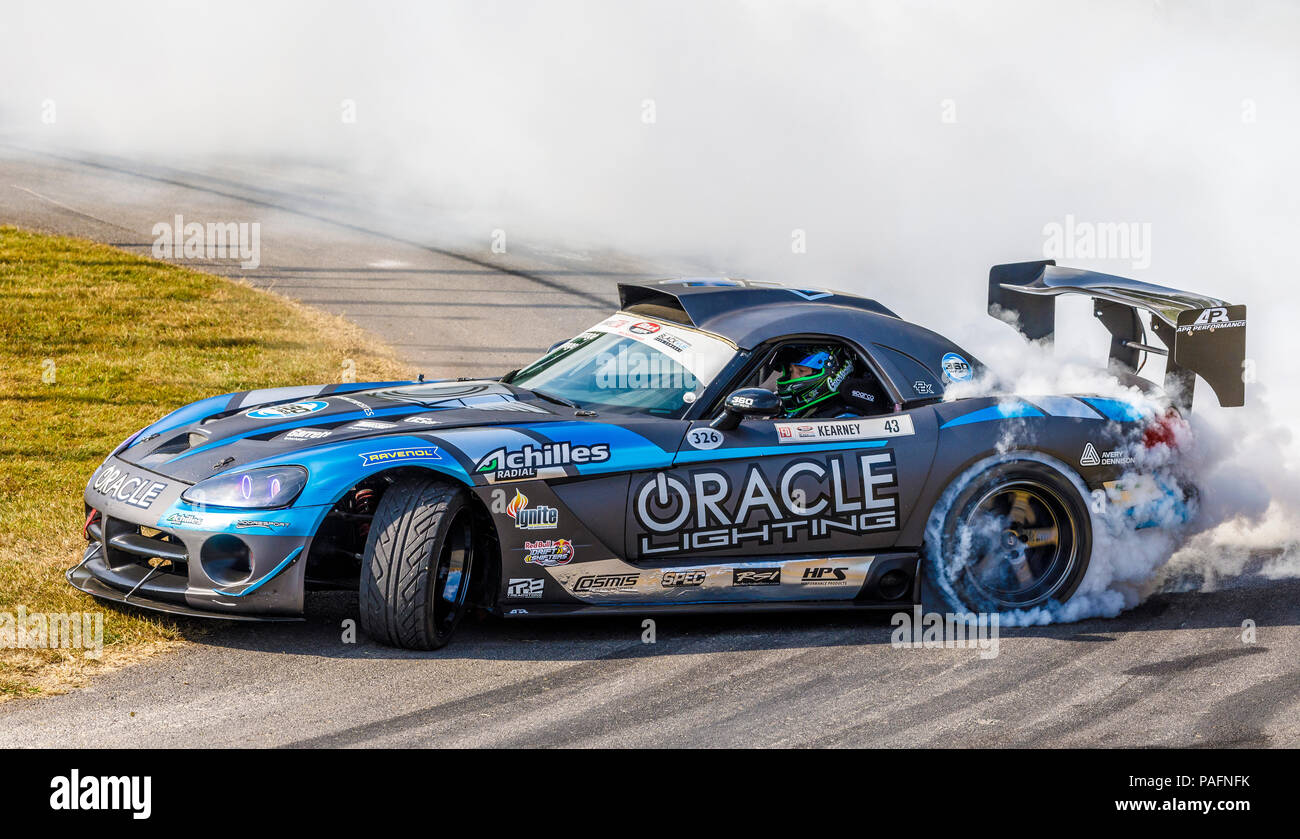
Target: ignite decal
[{"x": 531, "y": 518}]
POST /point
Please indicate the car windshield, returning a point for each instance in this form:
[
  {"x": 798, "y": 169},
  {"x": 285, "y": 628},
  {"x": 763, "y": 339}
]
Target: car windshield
[{"x": 631, "y": 365}]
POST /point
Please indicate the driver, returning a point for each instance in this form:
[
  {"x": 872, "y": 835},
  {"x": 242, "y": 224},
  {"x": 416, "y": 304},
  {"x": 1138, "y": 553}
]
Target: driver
[{"x": 811, "y": 383}]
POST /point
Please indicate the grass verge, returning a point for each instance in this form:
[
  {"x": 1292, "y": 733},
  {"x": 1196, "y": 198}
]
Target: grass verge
[{"x": 94, "y": 344}]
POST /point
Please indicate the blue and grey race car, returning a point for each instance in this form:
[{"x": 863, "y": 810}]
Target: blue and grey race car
[{"x": 715, "y": 444}]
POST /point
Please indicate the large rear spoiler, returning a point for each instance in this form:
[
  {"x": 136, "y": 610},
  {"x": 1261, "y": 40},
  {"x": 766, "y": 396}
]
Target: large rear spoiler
[{"x": 1202, "y": 336}]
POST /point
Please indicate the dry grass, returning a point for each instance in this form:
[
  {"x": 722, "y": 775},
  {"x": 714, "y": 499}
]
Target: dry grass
[{"x": 130, "y": 339}]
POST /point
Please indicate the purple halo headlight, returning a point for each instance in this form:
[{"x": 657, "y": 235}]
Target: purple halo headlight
[{"x": 273, "y": 486}]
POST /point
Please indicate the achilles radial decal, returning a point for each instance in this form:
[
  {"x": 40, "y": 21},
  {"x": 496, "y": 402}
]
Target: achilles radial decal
[{"x": 804, "y": 499}]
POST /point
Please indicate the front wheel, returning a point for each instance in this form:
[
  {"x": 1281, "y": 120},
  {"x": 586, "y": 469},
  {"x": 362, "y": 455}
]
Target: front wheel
[
  {"x": 1016, "y": 535},
  {"x": 419, "y": 558}
]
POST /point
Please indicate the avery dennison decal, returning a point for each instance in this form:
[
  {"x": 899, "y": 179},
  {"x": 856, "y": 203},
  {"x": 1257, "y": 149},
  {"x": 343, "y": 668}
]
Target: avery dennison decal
[
  {"x": 848, "y": 429},
  {"x": 394, "y": 455},
  {"x": 135, "y": 490},
  {"x": 293, "y": 409},
  {"x": 803, "y": 500},
  {"x": 545, "y": 460}
]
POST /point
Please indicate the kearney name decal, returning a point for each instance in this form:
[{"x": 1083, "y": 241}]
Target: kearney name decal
[{"x": 835, "y": 430}]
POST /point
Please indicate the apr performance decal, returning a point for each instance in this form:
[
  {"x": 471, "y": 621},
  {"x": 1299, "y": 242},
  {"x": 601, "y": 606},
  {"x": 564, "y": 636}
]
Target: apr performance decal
[
  {"x": 547, "y": 460},
  {"x": 804, "y": 499}
]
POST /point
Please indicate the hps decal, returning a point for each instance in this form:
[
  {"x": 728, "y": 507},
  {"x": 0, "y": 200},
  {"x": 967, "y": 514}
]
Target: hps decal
[
  {"x": 127, "y": 488},
  {"x": 293, "y": 409},
  {"x": 531, "y": 518},
  {"x": 549, "y": 552},
  {"x": 394, "y": 455},
  {"x": 546, "y": 460},
  {"x": 801, "y": 500}
]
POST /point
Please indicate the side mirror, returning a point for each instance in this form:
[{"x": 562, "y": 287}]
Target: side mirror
[{"x": 746, "y": 402}]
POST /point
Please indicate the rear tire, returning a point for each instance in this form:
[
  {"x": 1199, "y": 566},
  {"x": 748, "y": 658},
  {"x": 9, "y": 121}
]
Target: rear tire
[
  {"x": 1016, "y": 535},
  {"x": 418, "y": 561}
]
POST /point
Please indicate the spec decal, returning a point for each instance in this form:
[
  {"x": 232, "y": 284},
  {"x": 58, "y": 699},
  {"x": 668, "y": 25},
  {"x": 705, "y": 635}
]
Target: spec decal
[
  {"x": 855, "y": 429},
  {"x": 293, "y": 409},
  {"x": 694, "y": 577}
]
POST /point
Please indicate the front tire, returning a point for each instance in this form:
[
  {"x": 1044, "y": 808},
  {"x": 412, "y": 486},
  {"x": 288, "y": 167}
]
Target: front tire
[
  {"x": 418, "y": 561},
  {"x": 1016, "y": 535}
]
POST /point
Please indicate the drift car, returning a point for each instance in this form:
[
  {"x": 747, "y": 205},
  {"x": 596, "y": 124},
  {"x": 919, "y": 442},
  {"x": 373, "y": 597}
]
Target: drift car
[{"x": 649, "y": 465}]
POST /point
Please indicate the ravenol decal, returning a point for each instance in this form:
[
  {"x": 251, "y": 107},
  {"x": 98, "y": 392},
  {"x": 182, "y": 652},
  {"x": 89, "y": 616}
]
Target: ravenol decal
[
  {"x": 549, "y": 552},
  {"x": 293, "y": 409},
  {"x": 511, "y": 464},
  {"x": 956, "y": 368},
  {"x": 531, "y": 518},
  {"x": 392, "y": 455}
]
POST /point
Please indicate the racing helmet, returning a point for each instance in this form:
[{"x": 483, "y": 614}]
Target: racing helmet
[{"x": 801, "y": 394}]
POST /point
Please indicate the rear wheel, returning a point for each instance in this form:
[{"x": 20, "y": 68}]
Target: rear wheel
[
  {"x": 419, "y": 559},
  {"x": 1014, "y": 536}
]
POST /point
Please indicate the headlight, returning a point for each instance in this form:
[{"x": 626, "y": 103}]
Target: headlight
[{"x": 274, "y": 486}]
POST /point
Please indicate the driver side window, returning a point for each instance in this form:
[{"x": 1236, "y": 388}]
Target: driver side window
[{"x": 837, "y": 380}]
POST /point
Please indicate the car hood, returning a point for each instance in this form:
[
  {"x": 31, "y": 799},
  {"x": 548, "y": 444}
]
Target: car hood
[{"x": 230, "y": 432}]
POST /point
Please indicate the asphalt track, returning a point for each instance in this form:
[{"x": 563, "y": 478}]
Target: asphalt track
[{"x": 1173, "y": 672}]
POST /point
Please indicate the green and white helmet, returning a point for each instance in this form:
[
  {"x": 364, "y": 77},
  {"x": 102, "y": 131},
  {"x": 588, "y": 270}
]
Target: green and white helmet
[{"x": 801, "y": 396}]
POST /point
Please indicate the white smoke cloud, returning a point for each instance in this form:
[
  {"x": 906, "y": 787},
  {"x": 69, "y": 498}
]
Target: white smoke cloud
[{"x": 912, "y": 145}]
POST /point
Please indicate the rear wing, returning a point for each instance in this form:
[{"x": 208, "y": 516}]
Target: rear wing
[{"x": 1202, "y": 336}]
